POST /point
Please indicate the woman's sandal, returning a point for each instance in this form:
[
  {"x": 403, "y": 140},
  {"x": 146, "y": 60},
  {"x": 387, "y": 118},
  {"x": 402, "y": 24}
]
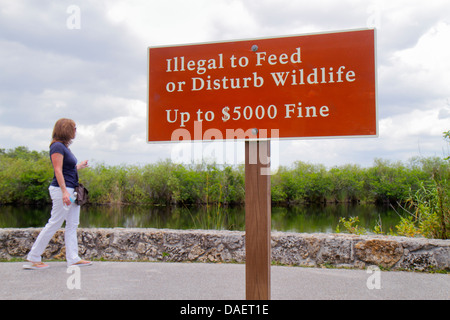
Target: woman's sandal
[
  {"x": 35, "y": 266},
  {"x": 82, "y": 263}
]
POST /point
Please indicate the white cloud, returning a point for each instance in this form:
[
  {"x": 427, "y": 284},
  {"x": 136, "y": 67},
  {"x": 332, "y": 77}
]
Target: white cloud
[
  {"x": 97, "y": 75},
  {"x": 415, "y": 76},
  {"x": 424, "y": 65}
]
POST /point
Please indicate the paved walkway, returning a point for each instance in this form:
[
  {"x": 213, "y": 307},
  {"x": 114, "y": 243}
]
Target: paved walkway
[{"x": 202, "y": 281}]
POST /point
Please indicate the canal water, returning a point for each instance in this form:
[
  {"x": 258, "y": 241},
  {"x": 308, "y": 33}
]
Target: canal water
[{"x": 308, "y": 219}]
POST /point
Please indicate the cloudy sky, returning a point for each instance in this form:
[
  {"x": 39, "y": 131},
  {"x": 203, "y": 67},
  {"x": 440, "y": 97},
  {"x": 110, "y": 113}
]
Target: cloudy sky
[{"x": 87, "y": 60}]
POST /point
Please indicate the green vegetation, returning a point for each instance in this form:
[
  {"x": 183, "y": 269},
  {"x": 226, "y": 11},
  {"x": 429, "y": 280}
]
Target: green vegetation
[
  {"x": 25, "y": 176},
  {"x": 384, "y": 182},
  {"x": 421, "y": 186},
  {"x": 351, "y": 225},
  {"x": 430, "y": 212},
  {"x": 427, "y": 202}
]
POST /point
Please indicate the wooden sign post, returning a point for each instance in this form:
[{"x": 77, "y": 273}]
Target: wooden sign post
[
  {"x": 257, "y": 220},
  {"x": 308, "y": 86}
]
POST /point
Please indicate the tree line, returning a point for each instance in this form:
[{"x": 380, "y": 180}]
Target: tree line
[{"x": 25, "y": 176}]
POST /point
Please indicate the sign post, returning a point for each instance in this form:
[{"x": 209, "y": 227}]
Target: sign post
[
  {"x": 308, "y": 86},
  {"x": 257, "y": 220}
]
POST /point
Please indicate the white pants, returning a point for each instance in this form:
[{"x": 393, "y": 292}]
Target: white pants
[{"x": 59, "y": 213}]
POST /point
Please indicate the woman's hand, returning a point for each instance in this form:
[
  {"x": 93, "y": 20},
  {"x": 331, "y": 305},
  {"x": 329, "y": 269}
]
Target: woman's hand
[
  {"x": 66, "y": 198},
  {"x": 82, "y": 165}
]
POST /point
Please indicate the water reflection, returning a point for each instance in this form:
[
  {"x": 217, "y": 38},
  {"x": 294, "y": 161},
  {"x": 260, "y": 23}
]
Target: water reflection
[
  {"x": 325, "y": 218},
  {"x": 309, "y": 219},
  {"x": 171, "y": 217}
]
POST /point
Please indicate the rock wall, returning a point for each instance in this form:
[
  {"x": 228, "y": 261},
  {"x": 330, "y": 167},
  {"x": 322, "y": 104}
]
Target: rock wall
[{"x": 339, "y": 250}]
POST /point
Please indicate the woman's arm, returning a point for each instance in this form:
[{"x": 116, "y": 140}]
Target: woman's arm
[{"x": 57, "y": 161}]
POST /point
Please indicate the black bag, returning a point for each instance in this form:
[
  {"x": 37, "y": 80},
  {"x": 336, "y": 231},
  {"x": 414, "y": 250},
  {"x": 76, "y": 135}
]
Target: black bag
[{"x": 82, "y": 194}]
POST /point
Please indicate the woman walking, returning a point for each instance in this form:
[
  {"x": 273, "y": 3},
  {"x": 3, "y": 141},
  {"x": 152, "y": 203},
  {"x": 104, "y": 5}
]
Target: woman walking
[{"x": 61, "y": 191}]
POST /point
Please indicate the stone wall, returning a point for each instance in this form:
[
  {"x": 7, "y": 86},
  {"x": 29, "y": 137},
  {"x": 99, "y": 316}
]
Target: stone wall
[{"x": 339, "y": 250}]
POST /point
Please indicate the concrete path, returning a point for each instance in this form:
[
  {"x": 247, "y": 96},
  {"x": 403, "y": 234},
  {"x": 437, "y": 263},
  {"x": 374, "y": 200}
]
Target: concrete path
[{"x": 202, "y": 281}]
